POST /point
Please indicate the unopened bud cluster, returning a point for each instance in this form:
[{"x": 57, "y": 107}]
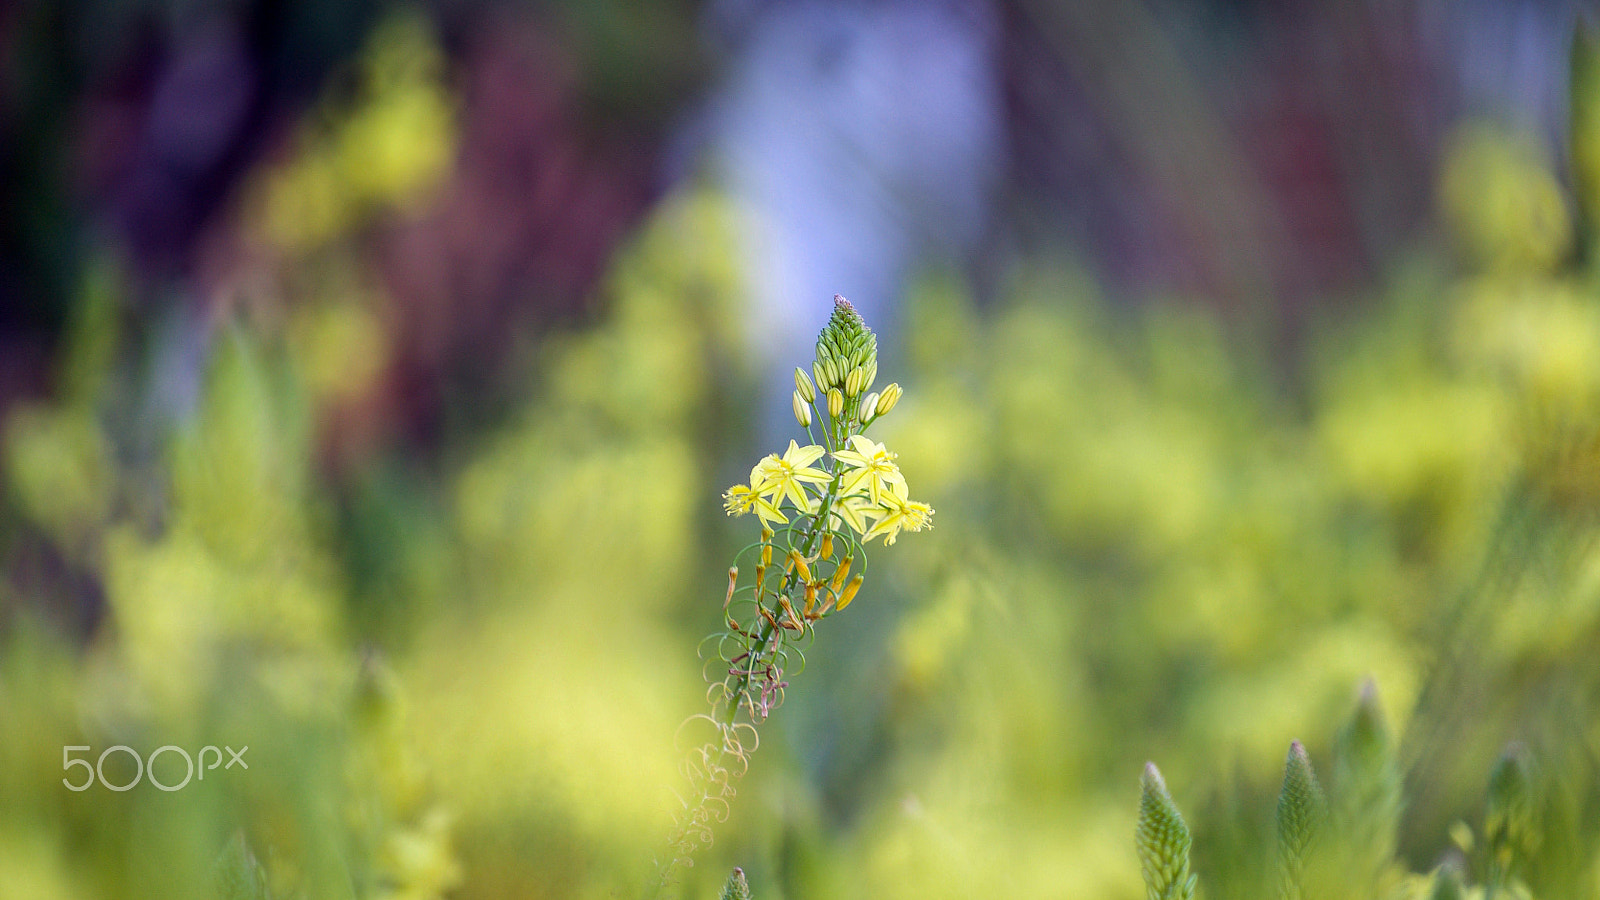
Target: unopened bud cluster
[{"x": 845, "y": 368}]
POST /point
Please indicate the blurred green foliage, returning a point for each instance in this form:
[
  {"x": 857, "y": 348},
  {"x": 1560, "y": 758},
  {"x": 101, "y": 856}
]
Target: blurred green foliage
[{"x": 462, "y": 675}]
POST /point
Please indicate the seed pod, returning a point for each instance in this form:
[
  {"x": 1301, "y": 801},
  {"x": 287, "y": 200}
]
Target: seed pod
[
  {"x": 733, "y": 579},
  {"x": 791, "y": 621},
  {"x": 835, "y": 403},
  {"x": 891, "y": 396},
  {"x": 802, "y": 410},
  {"x": 850, "y": 592}
]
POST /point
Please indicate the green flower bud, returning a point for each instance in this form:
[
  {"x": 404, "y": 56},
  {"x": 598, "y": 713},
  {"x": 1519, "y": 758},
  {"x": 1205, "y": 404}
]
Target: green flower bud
[
  {"x": 854, "y": 382},
  {"x": 819, "y": 368},
  {"x": 802, "y": 411},
  {"x": 869, "y": 406},
  {"x": 835, "y": 403},
  {"x": 872, "y": 374},
  {"x": 803, "y": 385},
  {"x": 891, "y": 396}
]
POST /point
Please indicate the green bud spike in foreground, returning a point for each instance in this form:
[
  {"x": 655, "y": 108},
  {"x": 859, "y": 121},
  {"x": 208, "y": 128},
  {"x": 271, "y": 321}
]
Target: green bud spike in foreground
[
  {"x": 1163, "y": 840},
  {"x": 736, "y": 888},
  {"x": 1508, "y": 821},
  {"x": 819, "y": 505},
  {"x": 1366, "y": 792},
  {"x": 1301, "y": 810},
  {"x": 1447, "y": 884}
]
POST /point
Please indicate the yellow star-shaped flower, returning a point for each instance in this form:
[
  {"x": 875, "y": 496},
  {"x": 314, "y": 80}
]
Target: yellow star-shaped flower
[
  {"x": 778, "y": 477},
  {"x": 872, "y": 464},
  {"x": 852, "y": 511},
  {"x": 741, "y": 499},
  {"x": 896, "y": 514}
]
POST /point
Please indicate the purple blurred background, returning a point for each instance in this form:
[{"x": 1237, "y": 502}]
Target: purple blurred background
[{"x": 1237, "y": 153}]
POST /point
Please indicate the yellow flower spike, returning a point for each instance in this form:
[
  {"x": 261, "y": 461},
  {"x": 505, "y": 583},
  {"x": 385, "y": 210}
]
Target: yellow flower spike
[
  {"x": 803, "y": 385},
  {"x": 826, "y": 551},
  {"x": 841, "y": 573},
  {"x": 855, "y": 381},
  {"x": 733, "y": 579},
  {"x": 802, "y": 411},
  {"x": 849, "y": 592},
  {"x": 835, "y": 403},
  {"x": 798, "y": 562},
  {"x": 891, "y": 396}
]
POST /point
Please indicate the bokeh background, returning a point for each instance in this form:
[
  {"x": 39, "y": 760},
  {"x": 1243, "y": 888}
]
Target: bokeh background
[{"x": 370, "y": 373}]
